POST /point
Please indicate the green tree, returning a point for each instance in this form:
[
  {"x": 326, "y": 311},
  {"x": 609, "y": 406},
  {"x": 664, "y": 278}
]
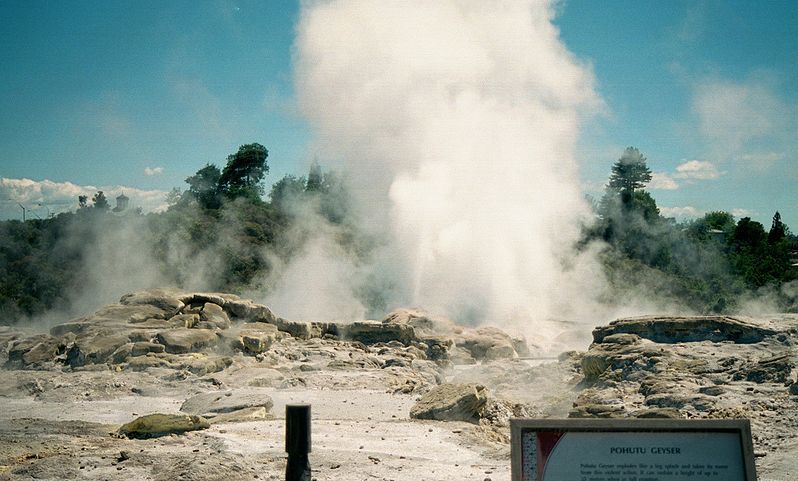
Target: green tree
[
  {"x": 99, "y": 201},
  {"x": 244, "y": 172},
  {"x": 722, "y": 221},
  {"x": 748, "y": 235},
  {"x": 629, "y": 174},
  {"x": 204, "y": 187},
  {"x": 777, "y": 230}
]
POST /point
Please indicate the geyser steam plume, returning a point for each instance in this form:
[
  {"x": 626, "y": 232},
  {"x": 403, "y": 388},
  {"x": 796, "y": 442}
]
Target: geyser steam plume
[{"x": 457, "y": 121}]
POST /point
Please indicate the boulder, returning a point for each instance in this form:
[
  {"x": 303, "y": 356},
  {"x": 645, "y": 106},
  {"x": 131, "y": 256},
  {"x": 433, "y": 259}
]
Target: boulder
[
  {"x": 257, "y": 342},
  {"x": 166, "y": 299},
  {"x": 34, "y": 352},
  {"x": 242, "y": 416},
  {"x": 777, "y": 369},
  {"x": 78, "y": 326},
  {"x": 686, "y": 329},
  {"x": 198, "y": 364},
  {"x": 372, "y": 332},
  {"x": 184, "y": 320},
  {"x": 94, "y": 349},
  {"x": 252, "y": 337},
  {"x": 183, "y": 340},
  {"x": 437, "y": 347},
  {"x": 218, "y": 298},
  {"x": 298, "y": 329},
  {"x": 135, "y": 349},
  {"x": 246, "y": 309},
  {"x": 211, "y": 404},
  {"x": 488, "y": 343},
  {"x": 452, "y": 402},
  {"x": 131, "y": 314},
  {"x": 213, "y": 315},
  {"x": 422, "y": 322},
  {"x": 155, "y": 425}
]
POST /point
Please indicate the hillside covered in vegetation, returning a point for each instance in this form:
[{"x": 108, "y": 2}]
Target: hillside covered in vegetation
[{"x": 225, "y": 233}]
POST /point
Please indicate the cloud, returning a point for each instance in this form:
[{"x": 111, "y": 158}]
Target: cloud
[
  {"x": 735, "y": 113},
  {"x": 150, "y": 171},
  {"x": 45, "y": 196},
  {"x": 740, "y": 213},
  {"x": 662, "y": 181},
  {"x": 697, "y": 169},
  {"x": 688, "y": 170},
  {"x": 690, "y": 212},
  {"x": 746, "y": 121},
  {"x": 681, "y": 212},
  {"x": 762, "y": 159}
]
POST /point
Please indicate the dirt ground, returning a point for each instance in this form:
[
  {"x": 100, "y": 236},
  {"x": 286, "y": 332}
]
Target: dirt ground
[{"x": 61, "y": 425}]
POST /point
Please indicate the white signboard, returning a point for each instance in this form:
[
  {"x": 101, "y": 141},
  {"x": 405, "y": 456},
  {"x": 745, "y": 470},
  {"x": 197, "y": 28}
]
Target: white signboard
[{"x": 632, "y": 450}]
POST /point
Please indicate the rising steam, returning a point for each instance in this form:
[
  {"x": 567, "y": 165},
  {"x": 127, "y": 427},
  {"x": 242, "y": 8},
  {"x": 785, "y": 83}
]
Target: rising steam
[{"x": 457, "y": 121}]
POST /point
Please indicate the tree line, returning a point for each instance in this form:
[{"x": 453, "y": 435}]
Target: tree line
[
  {"x": 225, "y": 219},
  {"x": 706, "y": 265}
]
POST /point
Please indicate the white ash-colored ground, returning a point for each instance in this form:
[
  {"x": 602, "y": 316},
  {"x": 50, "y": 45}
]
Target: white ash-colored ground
[{"x": 64, "y": 395}]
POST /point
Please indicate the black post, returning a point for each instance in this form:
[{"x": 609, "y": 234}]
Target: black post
[{"x": 297, "y": 442}]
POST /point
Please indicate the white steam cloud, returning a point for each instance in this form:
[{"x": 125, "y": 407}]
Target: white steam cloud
[{"x": 457, "y": 121}]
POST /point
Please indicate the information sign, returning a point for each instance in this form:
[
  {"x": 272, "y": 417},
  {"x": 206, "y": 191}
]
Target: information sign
[{"x": 632, "y": 450}]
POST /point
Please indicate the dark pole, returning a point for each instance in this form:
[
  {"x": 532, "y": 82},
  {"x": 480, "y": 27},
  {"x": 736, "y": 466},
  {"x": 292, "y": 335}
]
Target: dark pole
[{"x": 297, "y": 442}]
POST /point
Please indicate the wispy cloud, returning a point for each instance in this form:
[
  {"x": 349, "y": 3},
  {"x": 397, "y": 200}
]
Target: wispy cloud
[
  {"x": 740, "y": 213},
  {"x": 762, "y": 159},
  {"x": 688, "y": 171},
  {"x": 662, "y": 181},
  {"x": 689, "y": 212},
  {"x": 45, "y": 196},
  {"x": 697, "y": 169},
  {"x": 748, "y": 122},
  {"x": 150, "y": 171},
  {"x": 681, "y": 213},
  {"x": 693, "y": 25}
]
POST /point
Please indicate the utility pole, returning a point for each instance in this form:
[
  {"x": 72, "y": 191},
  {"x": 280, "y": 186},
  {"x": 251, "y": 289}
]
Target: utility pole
[{"x": 23, "y": 211}]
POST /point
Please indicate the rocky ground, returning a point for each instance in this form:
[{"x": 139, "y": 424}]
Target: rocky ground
[{"x": 411, "y": 397}]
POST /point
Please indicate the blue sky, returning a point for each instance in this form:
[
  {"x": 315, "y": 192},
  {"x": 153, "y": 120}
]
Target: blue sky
[{"x": 135, "y": 96}]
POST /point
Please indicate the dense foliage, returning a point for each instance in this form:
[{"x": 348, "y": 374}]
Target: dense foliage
[
  {"x": 706, "y": 265},
  {"x": 220, "y": 234}
]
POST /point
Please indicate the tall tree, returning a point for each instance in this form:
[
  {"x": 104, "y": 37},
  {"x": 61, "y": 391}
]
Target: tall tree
[
  {"x": 777, "y": 230},
  {"x": 204, "y": 186},
  {"x": 629, "y": 174},
  {"x": 244, "y": 172}
]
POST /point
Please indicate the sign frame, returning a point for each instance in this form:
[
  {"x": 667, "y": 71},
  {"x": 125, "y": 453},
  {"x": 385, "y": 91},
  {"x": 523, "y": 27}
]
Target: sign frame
[{"x": 741, "y": 427}]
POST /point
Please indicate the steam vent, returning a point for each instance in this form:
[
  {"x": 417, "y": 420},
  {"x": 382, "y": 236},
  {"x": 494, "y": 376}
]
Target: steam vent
[{"x": 169, "y": 384}]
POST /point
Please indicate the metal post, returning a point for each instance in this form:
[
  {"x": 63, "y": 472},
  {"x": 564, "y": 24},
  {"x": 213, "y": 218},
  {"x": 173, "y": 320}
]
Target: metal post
[{"x": 297, "y": 442}]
